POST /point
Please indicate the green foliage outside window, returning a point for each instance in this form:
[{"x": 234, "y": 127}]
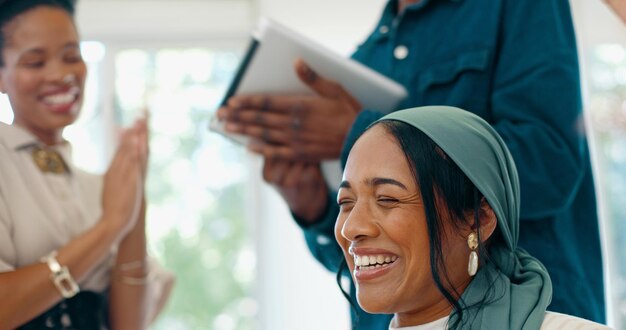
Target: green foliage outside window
[{"x": 196, "y": 185}]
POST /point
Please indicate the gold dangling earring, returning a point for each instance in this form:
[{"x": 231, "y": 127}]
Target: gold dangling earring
[{"x": 472, "y": 265}]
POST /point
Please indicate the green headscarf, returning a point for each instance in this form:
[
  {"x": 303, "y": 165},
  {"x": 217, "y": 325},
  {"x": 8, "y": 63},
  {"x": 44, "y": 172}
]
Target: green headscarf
[{"x": 522, "y": 287}]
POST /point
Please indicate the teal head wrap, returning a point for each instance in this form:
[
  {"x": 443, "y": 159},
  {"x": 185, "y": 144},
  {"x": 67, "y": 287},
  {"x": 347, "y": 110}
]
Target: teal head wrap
[{"x": 521, "y": 285}]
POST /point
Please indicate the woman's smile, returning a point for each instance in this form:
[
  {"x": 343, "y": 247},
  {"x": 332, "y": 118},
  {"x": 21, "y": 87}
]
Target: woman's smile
[
  {"x": 61, "y": 100},
  {"x": 370, "y": 263}
]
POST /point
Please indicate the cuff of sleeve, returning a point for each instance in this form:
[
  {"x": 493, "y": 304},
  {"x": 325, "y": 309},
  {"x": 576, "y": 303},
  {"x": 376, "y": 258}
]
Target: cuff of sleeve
[
  {"x": 326, "y": 222},
  {"x": 364, "y": 119}
]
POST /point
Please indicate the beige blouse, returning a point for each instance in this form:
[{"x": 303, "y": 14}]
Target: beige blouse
[{"x": 41, "y": 212}]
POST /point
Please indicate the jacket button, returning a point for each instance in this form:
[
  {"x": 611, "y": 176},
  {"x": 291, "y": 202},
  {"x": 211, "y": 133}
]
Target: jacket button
[
  {"x": 383, "y": 29},
  {"x": 401, "y": 52}
]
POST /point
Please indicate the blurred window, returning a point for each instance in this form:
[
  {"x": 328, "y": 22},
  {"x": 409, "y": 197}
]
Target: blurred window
[
  {"x": 197, "y": 183},
  {"x": 606, "y": 80}
]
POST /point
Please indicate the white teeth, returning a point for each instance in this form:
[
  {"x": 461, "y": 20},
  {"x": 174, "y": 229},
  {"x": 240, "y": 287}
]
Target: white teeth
[
  {"x": 62, "y": 98},
  {"x": 59, "y": 99},
  {"x": 373, "y": 261}
]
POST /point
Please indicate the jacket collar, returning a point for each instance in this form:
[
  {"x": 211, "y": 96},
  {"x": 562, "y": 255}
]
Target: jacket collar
[
  {"x": 390, "y": 12},
  {"x": 17, "y": 138}
]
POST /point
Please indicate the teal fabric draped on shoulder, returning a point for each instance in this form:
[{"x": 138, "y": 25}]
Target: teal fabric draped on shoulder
[{"x": 520, "y": 283}]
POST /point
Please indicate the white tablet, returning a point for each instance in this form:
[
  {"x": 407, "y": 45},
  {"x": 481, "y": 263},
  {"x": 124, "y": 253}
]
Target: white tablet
[{"x": 268, "y": 68}]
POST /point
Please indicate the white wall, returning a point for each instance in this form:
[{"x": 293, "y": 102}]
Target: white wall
[
  {"x": 596, "y": 24},
  {"x": 159, "y": 20},
  {"x": 338, "y": 24}
]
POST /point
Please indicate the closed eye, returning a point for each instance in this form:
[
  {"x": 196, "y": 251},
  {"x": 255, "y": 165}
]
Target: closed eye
[
  {"x": 34, "y": 65},
  {"x": 73, "y": 58},
  {"x": 345, "y": 204},
  {"x": 387, "y": 201}
]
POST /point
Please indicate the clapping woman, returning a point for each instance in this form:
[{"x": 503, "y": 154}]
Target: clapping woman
[{"x": 72, "y": 244}]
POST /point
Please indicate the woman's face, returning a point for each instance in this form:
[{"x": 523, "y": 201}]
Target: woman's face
[
  {"x": 382, "y": 231},
  {"x": 43, "y": 72}
]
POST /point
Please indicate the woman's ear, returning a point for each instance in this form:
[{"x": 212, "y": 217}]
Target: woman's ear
[{"x": 488, "y": 220}]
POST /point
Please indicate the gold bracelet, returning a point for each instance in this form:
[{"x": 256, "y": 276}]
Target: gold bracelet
[
  {"x": 61, "y": 276},
  {"x": 123, "y": 267},
  {"x": 136, "y": 281}
]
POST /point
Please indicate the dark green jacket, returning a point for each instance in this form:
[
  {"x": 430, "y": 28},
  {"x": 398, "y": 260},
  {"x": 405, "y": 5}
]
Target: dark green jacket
[{"x": 514, "y": 63}]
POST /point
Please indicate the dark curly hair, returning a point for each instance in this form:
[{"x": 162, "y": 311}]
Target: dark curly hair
[{"x": 9, "y": 9}]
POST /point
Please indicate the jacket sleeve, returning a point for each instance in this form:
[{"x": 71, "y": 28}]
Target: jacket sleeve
[
  {"x": 536, "y": 103},
  {"x": 320, "y": 237}
]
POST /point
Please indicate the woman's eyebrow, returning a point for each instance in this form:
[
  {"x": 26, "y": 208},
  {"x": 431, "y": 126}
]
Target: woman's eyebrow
[
  {"x": 382, "y": 181},
  {"x": 35, "y": 51},
  {"x": 71, "y": 44},
  {"x": 40, "y": 51},
  {"x": 375, "y": 182}
]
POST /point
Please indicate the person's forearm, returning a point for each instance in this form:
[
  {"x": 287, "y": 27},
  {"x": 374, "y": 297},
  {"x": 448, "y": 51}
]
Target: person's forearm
[
  {"x": 128, "y": 305},
  {"x": 29, "y": 291}
]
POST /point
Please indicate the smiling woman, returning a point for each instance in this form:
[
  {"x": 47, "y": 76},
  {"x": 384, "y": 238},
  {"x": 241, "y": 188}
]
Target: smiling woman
[
  {"x": 72, "y": 244},
  {"x": 388, "y": 191},
  {"x": 428, "y": 224}
]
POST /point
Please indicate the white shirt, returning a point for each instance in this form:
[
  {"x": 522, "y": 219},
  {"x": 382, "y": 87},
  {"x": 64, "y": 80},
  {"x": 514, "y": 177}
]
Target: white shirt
[
  {"x": 41, "y": 212},
  {"x": 558, "y": 321},
  {"x": 552, "y": 321},
  {"x": 440, "y": 324}
]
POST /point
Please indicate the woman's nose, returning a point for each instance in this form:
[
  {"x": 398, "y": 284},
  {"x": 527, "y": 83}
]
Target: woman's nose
[
  {"x": 360, "y": 224},
  {"x": 61, "y": 74},
  {"x": 69, "y": 79},
  {"x": 60, "y": 77}
]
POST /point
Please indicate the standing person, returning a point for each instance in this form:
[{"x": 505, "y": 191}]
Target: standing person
[
  {"x": 72, "y": 244},
  {"x": 513, "y": 63}
]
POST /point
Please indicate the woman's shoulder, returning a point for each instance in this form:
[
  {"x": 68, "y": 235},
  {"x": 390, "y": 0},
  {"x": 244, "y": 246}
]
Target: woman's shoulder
[
  {"x": 6, "y": 132},
  {"x": 556, "y": 321}
]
